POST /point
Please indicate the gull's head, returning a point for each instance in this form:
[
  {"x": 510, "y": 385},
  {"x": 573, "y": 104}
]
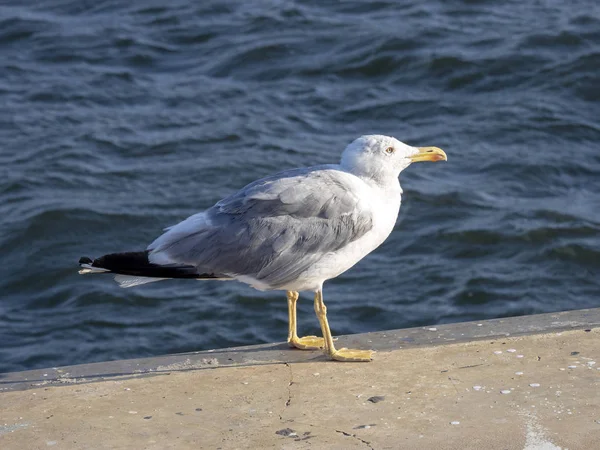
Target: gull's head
[{"x": 379, "y": 157}]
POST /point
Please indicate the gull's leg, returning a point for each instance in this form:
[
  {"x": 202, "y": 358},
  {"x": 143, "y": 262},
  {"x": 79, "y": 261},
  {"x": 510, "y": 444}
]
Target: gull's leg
[
  {"x": 306, "y": 342},
  {"x": 343, "y": 354}
]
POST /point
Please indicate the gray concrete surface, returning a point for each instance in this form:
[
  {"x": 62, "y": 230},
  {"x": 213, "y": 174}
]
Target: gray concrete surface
[{"x": 521, "y": 383}]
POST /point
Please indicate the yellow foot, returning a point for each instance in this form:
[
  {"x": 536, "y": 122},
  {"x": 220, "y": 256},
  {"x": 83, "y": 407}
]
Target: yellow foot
[
  {"x": 307, "y": 343},
  {"x": 344, "y": 354}
]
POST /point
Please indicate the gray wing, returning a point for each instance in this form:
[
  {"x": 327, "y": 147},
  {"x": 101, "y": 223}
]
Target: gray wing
[{"x": 271, "y": 230}]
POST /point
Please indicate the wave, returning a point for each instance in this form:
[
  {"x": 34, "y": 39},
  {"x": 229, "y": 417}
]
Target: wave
[{"x": 120, "y": 119}]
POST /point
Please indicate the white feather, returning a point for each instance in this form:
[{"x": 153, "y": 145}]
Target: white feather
[
  {"x": 190, "y": 225},
  {"x": 127, "y": 281},
  {"x": 88, "y": 268}
]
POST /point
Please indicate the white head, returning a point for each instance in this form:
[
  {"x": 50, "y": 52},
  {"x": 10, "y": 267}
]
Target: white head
[{"x": 381, "y": 157}]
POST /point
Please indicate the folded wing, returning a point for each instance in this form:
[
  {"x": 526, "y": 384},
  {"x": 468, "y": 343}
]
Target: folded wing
[{"x": 273, "y": 229}]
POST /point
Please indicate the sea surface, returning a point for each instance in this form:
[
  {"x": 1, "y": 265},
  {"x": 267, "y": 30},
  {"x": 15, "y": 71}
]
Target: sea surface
[{"x": 119, "y": 118}]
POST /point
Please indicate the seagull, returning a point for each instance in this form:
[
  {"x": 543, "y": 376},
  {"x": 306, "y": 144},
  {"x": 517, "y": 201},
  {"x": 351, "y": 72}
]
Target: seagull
[{"x": 291, "y": 231}]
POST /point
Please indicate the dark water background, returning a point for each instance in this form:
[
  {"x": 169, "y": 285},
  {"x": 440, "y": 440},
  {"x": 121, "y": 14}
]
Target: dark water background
[{"x": 120, "y": 118}]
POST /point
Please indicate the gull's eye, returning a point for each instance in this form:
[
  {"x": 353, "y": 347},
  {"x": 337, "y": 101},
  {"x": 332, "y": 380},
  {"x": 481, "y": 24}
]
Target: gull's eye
[{"x": 389, "y": 150}]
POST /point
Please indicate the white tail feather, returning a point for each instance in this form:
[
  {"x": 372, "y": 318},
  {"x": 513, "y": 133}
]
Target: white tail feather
[
  {"x": 88, "y": 268},
  {"x": 127, "y": 281}
]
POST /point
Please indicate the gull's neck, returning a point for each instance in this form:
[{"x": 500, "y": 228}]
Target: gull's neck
[{"x": 385, "y": 181}]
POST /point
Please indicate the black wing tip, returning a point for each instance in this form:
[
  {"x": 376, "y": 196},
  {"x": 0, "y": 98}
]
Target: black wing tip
[
  {"x": 211, "y": 276},
  {"x": 85, "y": 260}
]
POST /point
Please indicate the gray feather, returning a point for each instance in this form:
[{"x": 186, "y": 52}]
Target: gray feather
[{"x": 273, "y": 229}]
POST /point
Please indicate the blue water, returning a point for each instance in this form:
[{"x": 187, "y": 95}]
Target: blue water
[{"x": 120, "y": 118}]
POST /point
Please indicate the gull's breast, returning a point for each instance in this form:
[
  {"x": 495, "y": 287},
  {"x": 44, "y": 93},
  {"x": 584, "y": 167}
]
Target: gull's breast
[{"x": 385, "y": 206}]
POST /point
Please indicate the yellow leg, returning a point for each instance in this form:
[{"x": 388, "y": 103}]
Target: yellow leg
[
  {"x": 306, "y": 342},
  {"x": 343, "y": 354}
]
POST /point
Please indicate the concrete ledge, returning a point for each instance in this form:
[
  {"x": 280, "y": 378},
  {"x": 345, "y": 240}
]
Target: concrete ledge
[
  {"x": 281, "y": 353},
  {"x": 527, "y": 382}
]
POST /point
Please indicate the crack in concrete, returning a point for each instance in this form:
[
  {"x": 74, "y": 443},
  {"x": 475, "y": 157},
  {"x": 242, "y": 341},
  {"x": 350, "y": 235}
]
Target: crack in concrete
[
  {"x": 455, "y": 388},
  {"x": 288, "y": 402},
  {"x": 367, "y": 443},
  {"x": 471, "y": 366}
]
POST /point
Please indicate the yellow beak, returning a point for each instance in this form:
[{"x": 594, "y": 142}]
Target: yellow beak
[{"x": 429, "y": 154}]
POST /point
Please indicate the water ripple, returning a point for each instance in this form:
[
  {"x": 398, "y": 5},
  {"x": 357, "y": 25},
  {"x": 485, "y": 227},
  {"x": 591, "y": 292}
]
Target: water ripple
[{"x": 121, "y": 118}]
